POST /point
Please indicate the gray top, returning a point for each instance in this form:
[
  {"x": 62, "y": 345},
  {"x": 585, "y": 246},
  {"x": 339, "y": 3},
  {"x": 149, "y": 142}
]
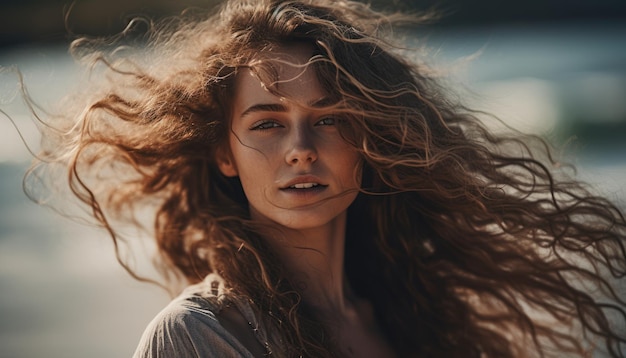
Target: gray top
[{"x": 189, "y": 326}]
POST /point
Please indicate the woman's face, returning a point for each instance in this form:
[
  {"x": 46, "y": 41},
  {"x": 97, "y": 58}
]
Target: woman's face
[{"x": 295, "y": 168}]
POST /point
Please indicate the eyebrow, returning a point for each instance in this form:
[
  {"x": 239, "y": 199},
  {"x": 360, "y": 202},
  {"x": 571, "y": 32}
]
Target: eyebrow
[
  {"x": 263, "y": 107},
  {"x": 276, "y": 107}
]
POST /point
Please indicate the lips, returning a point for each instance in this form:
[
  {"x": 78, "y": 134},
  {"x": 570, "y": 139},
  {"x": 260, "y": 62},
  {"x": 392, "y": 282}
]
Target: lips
[
  {"x": 303, "y": 183},
  {"x": 303, "y": 186}
]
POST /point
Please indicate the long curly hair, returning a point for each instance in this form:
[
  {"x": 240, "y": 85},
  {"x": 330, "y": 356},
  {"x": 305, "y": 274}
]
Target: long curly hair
[{"x": 468, "y": 244}]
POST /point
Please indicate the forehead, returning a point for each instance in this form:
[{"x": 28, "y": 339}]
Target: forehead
[{"x": 282, "y": 74}]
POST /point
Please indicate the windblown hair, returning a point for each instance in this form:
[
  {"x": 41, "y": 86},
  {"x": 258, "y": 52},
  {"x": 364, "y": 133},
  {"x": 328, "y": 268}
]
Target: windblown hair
[{"x": 468, "y": 244}]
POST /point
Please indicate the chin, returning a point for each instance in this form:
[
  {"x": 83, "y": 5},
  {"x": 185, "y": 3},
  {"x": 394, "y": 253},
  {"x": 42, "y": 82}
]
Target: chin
[{"x": 308, "y": 221}]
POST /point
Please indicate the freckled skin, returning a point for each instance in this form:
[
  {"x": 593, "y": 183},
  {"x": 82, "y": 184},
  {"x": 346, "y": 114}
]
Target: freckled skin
[
  {"x": 280, "y": 140},
  {"x": 276, "y": 143}
]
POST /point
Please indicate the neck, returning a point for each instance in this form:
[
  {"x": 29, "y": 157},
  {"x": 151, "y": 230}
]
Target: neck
[{"x": 315, "y": 260}]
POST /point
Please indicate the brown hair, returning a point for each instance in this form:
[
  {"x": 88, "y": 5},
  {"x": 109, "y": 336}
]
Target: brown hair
[{"x": 466, "y": 243}]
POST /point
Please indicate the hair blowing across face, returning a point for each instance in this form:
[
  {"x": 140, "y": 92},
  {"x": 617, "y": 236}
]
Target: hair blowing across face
[{"x": 466, "y": 243}]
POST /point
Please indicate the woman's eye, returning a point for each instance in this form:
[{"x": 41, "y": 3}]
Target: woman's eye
[
  {"x": 327, "y": 121},
  {"x": 265, "y": 125}
]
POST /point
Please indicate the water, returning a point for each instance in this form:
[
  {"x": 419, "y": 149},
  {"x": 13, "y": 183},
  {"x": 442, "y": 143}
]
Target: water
[{"x": 62, "y": 294}]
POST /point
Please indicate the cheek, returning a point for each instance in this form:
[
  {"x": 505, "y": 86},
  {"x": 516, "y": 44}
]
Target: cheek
[
  {"x": 253, "y": 168},
  {"x": 347, "y": 170},
  {"x": 356, "y": 165},
  {"x": 348, "y": 159},
  {"x": 254, "y": 182},
  {"x": 252, "y": 149}
]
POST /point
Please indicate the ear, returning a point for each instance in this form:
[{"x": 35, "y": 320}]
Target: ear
[{"x": 225, "y": 162}]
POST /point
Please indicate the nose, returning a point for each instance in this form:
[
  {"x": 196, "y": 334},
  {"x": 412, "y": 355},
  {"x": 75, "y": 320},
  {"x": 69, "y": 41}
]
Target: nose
[{"x": 301, "y": 148}]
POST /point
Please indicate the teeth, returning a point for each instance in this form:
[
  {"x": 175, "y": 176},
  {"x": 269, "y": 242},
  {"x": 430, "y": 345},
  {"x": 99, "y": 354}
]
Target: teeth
[{"x": 303, "y": 186}]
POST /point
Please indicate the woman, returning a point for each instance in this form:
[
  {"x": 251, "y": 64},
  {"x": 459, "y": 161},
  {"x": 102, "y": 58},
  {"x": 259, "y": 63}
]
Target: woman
[{"x": 323, "y": 196}]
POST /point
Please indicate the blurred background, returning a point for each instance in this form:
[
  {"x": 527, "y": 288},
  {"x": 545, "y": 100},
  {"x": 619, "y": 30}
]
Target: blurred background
[{"x": 553, "y": 67}]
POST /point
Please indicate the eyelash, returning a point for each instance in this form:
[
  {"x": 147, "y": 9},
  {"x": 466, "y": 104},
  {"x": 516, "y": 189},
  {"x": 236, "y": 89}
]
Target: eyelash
[
  {"x": 264, "y": 125},
  {"x": 334, "y": 121},
  {"x": 268, "y": 124}
]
